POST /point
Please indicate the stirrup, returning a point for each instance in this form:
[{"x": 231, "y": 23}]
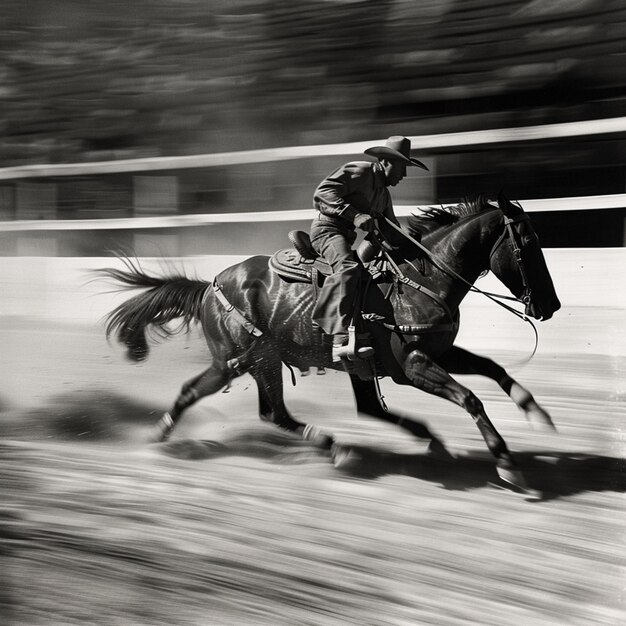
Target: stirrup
[
  {"x": 350, "y": 351},
  {"x": 344, "y": 352}
]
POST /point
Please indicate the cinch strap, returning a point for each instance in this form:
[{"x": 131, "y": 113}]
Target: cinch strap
[
  {"x": 234, "y": 312},
  {"x": 413, "y": 329}
]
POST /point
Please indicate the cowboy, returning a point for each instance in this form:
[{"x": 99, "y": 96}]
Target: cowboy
[{"x": 353, "y": 196}]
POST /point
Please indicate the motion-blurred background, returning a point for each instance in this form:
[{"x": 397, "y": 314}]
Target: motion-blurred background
[
  {"x": 84, "y": 82},
  {"x": 162, "y": 127}
]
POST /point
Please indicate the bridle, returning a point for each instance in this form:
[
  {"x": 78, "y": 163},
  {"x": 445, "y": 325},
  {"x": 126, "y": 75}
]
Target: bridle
[
  {"x": 508, "y": 231},
  {"x": 509, "y": 234}
]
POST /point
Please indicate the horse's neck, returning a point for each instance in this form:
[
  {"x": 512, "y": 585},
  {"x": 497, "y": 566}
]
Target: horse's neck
[{"x": 464, "y": 249}]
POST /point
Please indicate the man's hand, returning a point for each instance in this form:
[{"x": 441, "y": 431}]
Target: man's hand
[{"x": 365, "y": 222}]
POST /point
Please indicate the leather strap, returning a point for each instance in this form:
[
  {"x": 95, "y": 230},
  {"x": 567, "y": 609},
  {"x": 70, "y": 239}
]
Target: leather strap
[
  {"x": 412, "y": 329},
  {"x": 234, "y": 312}
]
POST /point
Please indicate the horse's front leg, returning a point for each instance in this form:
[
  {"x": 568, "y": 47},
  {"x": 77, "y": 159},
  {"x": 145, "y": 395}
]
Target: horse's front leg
[
  {"x": 428, "y": 376},
  {"x": 460, "y": 361}
]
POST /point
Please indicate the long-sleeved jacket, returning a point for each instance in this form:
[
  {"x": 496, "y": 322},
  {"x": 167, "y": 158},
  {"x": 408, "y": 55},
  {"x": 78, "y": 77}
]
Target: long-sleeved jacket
[{"x": 356, "y": 187}]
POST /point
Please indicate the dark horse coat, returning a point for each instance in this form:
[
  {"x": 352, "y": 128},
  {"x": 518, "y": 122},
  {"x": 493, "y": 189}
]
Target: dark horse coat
[{"x": 255, "y": 321}]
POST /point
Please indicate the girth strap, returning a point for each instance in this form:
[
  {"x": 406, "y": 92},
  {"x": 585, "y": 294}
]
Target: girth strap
[
  {"x": 234, "y": 312},
  {"x": 412, "y": 329}
]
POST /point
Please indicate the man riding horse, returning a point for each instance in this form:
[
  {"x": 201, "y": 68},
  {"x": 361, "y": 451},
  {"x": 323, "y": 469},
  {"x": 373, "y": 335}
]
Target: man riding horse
[{"x": 353, "y": 196}]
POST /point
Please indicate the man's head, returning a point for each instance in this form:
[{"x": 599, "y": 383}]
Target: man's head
[
  {"x": 395, "y": 171},
  {"x": 395, "y": 157}
]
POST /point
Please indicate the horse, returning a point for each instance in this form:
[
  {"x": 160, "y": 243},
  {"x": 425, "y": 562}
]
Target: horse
[{"x": 254, "y": 321}]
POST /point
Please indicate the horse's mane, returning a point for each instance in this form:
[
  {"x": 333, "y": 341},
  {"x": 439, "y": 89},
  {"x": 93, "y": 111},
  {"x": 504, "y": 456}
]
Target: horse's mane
[{"x": 436, "y": 217}]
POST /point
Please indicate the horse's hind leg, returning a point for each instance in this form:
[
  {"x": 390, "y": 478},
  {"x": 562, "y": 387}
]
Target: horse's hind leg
[
  {"x": 267, "y": 372},
  {"x": 205, "y": 384},
  {"x": 368, "y": 402},
  {"x": 460, "y": 361}
]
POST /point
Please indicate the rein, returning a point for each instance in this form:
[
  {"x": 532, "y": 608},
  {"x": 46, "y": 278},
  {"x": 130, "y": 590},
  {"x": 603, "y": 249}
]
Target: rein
[{"x": 491, "y": 296}]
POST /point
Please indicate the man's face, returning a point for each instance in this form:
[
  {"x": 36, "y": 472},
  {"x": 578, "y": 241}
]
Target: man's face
[{"x": 395, "y": 171}]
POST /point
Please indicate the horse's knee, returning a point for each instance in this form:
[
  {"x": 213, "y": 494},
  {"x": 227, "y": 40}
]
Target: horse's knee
[
  {"x": 472, "y": 404},
  {"x": 425, "y": 374},
  {"x": 415, "y": 364}
]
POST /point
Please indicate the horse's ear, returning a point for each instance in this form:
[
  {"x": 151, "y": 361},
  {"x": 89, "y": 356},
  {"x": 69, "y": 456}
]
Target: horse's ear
[{"x": 509, "y": 208}]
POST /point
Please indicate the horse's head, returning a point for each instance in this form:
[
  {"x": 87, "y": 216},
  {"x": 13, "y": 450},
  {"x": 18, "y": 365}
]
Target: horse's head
[{"x": 517, "y": 260}]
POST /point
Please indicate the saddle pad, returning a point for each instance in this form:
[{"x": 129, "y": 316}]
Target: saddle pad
[{"x": 289, "y": 264}]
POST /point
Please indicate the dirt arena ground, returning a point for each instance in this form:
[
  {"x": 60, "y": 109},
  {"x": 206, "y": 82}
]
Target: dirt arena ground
[{"x": 233, "y": 522}]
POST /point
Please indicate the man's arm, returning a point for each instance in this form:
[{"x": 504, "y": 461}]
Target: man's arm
[
  {"x": 389, "y": 213},
  {"x": 329, "y": 198}
]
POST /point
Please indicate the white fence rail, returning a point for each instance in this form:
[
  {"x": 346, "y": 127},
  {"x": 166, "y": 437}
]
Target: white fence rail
[
  {"x": 423, "y": 142},
  {"x": 580, "y": 203}
]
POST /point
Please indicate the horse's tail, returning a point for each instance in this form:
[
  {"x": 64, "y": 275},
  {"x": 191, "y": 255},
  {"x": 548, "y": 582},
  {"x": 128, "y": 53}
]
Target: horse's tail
[{"x": 167, "y": 298}]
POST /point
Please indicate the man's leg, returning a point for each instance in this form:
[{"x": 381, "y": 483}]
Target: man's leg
[{"x": 334, "y": 309}]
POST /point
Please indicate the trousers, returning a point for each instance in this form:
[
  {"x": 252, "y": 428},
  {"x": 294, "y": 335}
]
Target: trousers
[{"x": 338, "y": 296}]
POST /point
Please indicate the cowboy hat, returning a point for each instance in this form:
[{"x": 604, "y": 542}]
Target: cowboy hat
[{"x": 395, "y": 149}]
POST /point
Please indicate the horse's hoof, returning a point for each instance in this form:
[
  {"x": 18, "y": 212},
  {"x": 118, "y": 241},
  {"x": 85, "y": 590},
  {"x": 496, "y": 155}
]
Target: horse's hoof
[
  {"x": 515, "y": 479},
  {"x": 540, "y": 419},
  {"x": 158, "y": 436},
  {"x": 342, "y": 456},
  {"x": 317, "y": 437}
]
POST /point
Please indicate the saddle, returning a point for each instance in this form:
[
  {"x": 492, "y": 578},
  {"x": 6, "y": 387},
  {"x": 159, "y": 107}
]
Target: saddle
[{"x": 300, "y": 263}]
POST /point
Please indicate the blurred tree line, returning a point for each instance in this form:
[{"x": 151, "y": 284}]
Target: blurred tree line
[{"x": 82, "y": 80}]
